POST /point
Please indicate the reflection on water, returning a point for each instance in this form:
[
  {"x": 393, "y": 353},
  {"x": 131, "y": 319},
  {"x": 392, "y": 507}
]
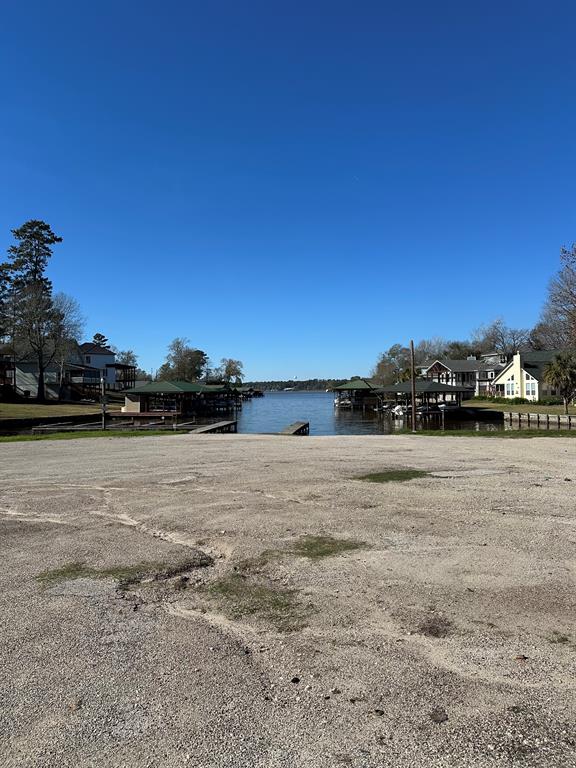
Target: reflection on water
[{"x": 276, "y": 410}]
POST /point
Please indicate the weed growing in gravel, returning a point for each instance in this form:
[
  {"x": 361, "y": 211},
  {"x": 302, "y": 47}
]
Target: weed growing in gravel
[
  {"x": 393, "y": 475},
  {"x": 241, "y": 597}
]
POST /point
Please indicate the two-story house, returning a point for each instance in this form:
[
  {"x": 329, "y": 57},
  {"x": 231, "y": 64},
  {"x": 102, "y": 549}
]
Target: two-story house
[{"x": 477, "y": 375}]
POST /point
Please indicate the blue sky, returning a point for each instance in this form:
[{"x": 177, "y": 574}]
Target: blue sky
[{"x": 298, "y": 185}]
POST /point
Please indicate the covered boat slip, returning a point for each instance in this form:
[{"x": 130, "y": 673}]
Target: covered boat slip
[
  {"x": 363, "y": 393},
  {"x": 357, "y": 393},
  {"x": 180, "y": 399},
  {"x": 428, "y": 392}
]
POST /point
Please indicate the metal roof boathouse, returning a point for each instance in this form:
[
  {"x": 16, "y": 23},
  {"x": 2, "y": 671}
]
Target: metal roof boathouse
[{"x": 180, "y": 398}]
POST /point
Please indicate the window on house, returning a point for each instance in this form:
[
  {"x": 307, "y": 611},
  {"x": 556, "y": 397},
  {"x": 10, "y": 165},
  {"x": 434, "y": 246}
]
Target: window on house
[
  {"x": 510, "y": 387},
  {"x": 87, "y": 358}
]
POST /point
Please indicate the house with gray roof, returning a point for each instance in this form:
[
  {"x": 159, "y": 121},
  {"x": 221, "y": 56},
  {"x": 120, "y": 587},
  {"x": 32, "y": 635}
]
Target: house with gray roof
[
  {"x": 477, "y": 376},
  {"x": 524, "y": 376}
]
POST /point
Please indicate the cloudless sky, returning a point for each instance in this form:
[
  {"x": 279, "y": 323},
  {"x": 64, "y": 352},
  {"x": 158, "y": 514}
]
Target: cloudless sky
[{"x": 298, "y": 185}]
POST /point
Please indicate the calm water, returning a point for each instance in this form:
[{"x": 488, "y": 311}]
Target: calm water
[{"x": 276, "y": 410}]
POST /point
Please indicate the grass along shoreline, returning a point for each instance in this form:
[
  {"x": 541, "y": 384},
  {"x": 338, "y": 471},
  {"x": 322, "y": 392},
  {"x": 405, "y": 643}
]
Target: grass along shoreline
[
  {"x": 513, "y": 434},
  {"x": 19, "y": 411},
  {"x": 92, "y": 433},
  {"x": 553, "y": 410}
]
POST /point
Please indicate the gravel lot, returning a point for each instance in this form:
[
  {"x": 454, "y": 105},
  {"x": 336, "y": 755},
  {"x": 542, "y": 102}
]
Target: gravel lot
[{"x": 442, "y": 635}]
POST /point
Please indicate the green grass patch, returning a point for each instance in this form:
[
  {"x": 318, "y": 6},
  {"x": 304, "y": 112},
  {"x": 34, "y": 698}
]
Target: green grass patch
[
  {"x": 393, "y": 475},
  {"x": 519, "y": 408},
  {"x": 90, "y": 434},
  {"x": 32, "y": 410},
  {"x": 506, "y": 434},
  {"x": 124, "y": 574},
  {"x": 317, "y": 547},
  {"x": 311, "y": 547},
  {"x": 241, "y": 596}
]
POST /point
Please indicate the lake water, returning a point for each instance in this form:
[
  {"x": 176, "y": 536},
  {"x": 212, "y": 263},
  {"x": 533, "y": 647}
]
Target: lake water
[{"x": 276, "y": 410}]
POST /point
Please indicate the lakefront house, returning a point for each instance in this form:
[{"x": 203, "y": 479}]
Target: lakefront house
[
  {"x": 81, "y": 374},
  {"x": 523, "y": 376},
  {"x": 475, "y": 374}
]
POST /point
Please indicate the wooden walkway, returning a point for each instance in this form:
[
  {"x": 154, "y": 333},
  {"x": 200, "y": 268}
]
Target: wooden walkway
[{"x": 298, "y": 428}]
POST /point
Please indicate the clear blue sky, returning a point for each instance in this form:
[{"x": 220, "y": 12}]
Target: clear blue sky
[{"x": 298, "y": 185}]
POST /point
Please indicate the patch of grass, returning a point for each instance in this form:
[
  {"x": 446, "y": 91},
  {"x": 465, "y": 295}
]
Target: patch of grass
[
  {"x": 124, "y": 574},
  {"x": 32, "y": 410},
  {"x": 312, "y": 547},
  {"x": 393, "y": 475},
  {"x": 93, "y": 433},
  {"x": 503, "y": 433},
  {"x": 317, "y": 547},
  {"x": 559, "y": 637},
  {"x": 241, "y": 596},
  {"x": 519, "y": 408}
]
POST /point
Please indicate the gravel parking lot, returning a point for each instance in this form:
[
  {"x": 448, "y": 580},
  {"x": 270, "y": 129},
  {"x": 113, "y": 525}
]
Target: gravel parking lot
[{"x": 238, "y": 600}]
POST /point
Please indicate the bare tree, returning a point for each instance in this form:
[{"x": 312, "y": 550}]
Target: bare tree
[
  {"x": 71, "y": 323},
  {"x": 126, "y": 357},
  {"x": 557, "y": 326},
  {"x": 499, "y": 337}
]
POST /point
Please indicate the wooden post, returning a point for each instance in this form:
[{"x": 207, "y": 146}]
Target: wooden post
[
  {"x": 103, "y": 402},
  {"x": 413, "y": 380}
]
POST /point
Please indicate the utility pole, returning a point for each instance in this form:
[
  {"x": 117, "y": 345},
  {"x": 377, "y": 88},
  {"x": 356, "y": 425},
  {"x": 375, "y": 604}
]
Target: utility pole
[
  {"x": 103, "y": 401},
  {"x": 413, "y": 378}
]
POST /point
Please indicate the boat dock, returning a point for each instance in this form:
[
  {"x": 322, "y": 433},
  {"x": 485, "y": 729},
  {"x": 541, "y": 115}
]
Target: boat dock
[{"x": 297, "y": 428}]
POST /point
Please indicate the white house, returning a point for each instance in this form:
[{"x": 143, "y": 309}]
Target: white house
[
  {"x": 524, "y": 376},
  {"x": 102, "y": 359}
]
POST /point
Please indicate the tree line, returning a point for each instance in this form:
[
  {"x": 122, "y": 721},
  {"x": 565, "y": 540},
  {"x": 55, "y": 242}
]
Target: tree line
[{"x": 304, "y": 385}]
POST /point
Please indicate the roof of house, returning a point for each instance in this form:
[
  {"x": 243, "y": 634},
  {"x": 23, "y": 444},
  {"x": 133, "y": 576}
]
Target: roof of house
[
  {"x": 533, "y": 363},
  {"x": 460, "y": 366},
  {"x": 89, "y": 348},
  {"x": 354, "y": 385},
  {"x": 176, "y": 388}
]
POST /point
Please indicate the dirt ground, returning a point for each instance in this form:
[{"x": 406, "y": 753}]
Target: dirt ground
[{"x": 236, "y": 600}]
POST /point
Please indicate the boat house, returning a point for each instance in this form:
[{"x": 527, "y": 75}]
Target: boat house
[
  {"x": 180, "y": 398},
  {"x": 428, "y": 392},
  {"x": 356, "y": 393}
]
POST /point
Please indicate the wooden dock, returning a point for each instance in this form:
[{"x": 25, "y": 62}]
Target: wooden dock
[
  {"x": 298, "y": 428},
  {"x": 218, "y": 427}
]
